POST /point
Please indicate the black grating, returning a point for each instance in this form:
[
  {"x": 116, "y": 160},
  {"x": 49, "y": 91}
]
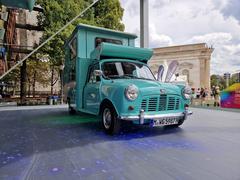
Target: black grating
[
  {"x": 160, "y": 103},
  {"x": 144, "y": 104},
  {"x": 152, "y": 104},
  {"x": 171, "y": 103},
  {"x": 177, "y": 103}
]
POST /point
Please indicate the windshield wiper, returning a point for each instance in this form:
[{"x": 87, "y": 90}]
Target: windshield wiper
[
  {"x": 130, "y": 75},
  {"x": 127, "y": 76},
  {"x": 117, "y": 76}
]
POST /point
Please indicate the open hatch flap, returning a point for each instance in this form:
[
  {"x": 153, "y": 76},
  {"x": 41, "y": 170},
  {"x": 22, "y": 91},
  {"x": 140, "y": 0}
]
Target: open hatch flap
[{"x": 108, "y": 50}]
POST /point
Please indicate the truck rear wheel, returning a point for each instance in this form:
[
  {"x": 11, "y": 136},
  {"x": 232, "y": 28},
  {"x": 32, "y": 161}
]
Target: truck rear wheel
[{"x": 110, "y": 122}]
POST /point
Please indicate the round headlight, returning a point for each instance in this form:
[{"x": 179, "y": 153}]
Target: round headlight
[
  {"x": 131, "y": 92},
  {"x": 187, "y": 92}
]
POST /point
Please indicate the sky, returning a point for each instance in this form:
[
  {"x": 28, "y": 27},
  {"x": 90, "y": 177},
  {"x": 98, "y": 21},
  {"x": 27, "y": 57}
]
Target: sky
[{"x": 178, "y": 22}]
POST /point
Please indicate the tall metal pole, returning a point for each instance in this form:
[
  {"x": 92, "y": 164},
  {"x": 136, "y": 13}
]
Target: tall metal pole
[
  {"x": 61, "y": 79},
  {"x": 144, "y": 23}
]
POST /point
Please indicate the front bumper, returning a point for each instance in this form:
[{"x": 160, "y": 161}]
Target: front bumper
[{"x": 141, "y": 117}]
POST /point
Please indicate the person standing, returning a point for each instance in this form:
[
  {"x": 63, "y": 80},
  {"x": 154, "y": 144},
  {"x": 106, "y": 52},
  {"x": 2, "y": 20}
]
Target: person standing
[
  {"x": 198, "y": 93},
  {"x": 203, "y": 96},
  {"x": 217, "y": 97}
]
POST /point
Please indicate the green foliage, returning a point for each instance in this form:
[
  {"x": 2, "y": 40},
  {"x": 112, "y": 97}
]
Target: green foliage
[
  {"x": 217, "y": 80},
  {"x": 57, "y": 13},
  {"x": 12, "y": 76},
  {"x": 38, "y": 71},
  {"x": 233, "y": 79},
  {"x": 106, "y": 13}
]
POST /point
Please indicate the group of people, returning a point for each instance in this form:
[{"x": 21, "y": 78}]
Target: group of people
[{"x": 203, "y": 93}]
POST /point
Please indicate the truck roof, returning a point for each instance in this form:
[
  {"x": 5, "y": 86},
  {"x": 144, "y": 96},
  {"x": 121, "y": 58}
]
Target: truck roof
[
  {"x": 102, "y": 30},
  {"x": 119, "y": 51}
]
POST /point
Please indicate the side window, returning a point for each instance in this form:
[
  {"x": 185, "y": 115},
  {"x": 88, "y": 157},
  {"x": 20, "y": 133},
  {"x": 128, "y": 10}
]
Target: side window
[
  {"x": 99, "y": 40},
  {"x": 72, "y": 74},
  {"x": 92, "y": 77},
  {"x": 73, "y": 48}
]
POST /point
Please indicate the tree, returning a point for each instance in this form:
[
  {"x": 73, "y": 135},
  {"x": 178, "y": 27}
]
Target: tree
[
  {"x": 37, "y": 72},
  {"x": 233, "y": 79},
  {"x": 13, "y": 79},
  {"x": 106, "y": 13},
  {"x": 217, "y": 80}
]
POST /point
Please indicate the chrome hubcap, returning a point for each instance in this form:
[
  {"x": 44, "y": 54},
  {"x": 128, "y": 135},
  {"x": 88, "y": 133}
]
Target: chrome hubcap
[{"x": 107, "y": 118}]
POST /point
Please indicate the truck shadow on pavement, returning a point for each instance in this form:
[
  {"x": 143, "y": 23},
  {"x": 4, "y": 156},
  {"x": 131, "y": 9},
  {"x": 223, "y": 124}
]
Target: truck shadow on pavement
[{"x": 25, "y": 133}]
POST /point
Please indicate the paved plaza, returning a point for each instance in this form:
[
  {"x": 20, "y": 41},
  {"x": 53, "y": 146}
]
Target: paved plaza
[{"x": 47, "y": 143}]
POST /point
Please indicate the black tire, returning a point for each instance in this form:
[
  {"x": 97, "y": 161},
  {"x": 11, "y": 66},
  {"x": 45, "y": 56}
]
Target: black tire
[
  {"x": 180, "y": 122},
  {"x": 71, "y": 110},
  {"x": 110, "y": 122}
]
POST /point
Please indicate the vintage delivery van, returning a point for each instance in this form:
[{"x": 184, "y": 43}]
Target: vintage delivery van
[{"x": 106, "y": 75}]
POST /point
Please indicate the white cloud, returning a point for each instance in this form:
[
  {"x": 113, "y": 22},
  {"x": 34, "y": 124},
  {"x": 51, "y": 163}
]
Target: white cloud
[
  {"x": 158, "y": 40},
  {"x": 213, "y": 39},
  {"x": 174, "y": 22}
]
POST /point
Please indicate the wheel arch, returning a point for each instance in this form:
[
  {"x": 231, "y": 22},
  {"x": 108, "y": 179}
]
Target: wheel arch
[{"x": 107, "y": 101}]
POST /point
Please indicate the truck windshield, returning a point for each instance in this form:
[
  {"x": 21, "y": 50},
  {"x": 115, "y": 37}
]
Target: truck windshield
[{"x": 126, "y": 70}]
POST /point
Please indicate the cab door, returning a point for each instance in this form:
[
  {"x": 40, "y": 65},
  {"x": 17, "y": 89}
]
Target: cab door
[{"x": 91, "y": 91}]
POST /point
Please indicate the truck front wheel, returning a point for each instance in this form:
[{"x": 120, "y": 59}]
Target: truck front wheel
[{"x": 110, "y": 122}]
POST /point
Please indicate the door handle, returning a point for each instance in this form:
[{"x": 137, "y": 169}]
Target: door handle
[{"x": 92, "y": 95}]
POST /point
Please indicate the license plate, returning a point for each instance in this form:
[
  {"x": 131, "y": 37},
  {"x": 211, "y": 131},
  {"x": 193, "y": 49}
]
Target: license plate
[{"x": 164, "y": 121}]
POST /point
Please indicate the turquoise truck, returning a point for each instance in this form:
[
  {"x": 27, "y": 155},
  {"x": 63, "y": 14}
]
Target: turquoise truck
[{"x": 106, "y": 75}]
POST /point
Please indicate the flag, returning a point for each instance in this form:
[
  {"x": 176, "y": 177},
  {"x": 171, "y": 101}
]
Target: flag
[
  {"x": 160, "y": 73},
  {"x": 171, "y": 70}
]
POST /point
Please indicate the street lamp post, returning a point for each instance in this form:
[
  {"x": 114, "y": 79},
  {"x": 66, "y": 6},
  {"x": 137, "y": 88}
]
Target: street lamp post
[
  {"x": 61, "y": 67},
  {"x": 227, "y": 78}
]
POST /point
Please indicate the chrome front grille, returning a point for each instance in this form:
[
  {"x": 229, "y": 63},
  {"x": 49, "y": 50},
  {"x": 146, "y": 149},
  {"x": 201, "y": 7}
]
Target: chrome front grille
[
  {"x": 152, "y": 104},
  {"x": 160, "y": 103},
  {"x": 171, "y": 103}
]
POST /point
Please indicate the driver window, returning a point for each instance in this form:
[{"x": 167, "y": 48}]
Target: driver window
[
  {"x": 92, "y": 78},
  {"x": 129, "y": 68}
]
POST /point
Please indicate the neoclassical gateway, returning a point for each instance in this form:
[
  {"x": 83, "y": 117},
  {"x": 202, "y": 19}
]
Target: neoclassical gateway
[{"x": 193, "y": 59}]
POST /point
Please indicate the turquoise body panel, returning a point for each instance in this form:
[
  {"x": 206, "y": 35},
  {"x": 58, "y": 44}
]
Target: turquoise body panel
[
  {"x": 25, "y": 4},
  {"x": 113, "y": 90},
  {"x": 118, "y": 51},
  {"x": 86, "y": 94}
]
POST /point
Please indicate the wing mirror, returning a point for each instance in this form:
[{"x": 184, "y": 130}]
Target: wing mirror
[{"x": 98, "y": 73}]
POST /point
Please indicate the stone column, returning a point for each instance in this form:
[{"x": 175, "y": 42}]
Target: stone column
[
  {"x": 207, "y": 73},
  {"x": 202, "y": 72}
]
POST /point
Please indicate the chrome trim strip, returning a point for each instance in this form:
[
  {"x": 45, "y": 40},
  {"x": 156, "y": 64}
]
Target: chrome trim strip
[{"x": 154, "y": 116}]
